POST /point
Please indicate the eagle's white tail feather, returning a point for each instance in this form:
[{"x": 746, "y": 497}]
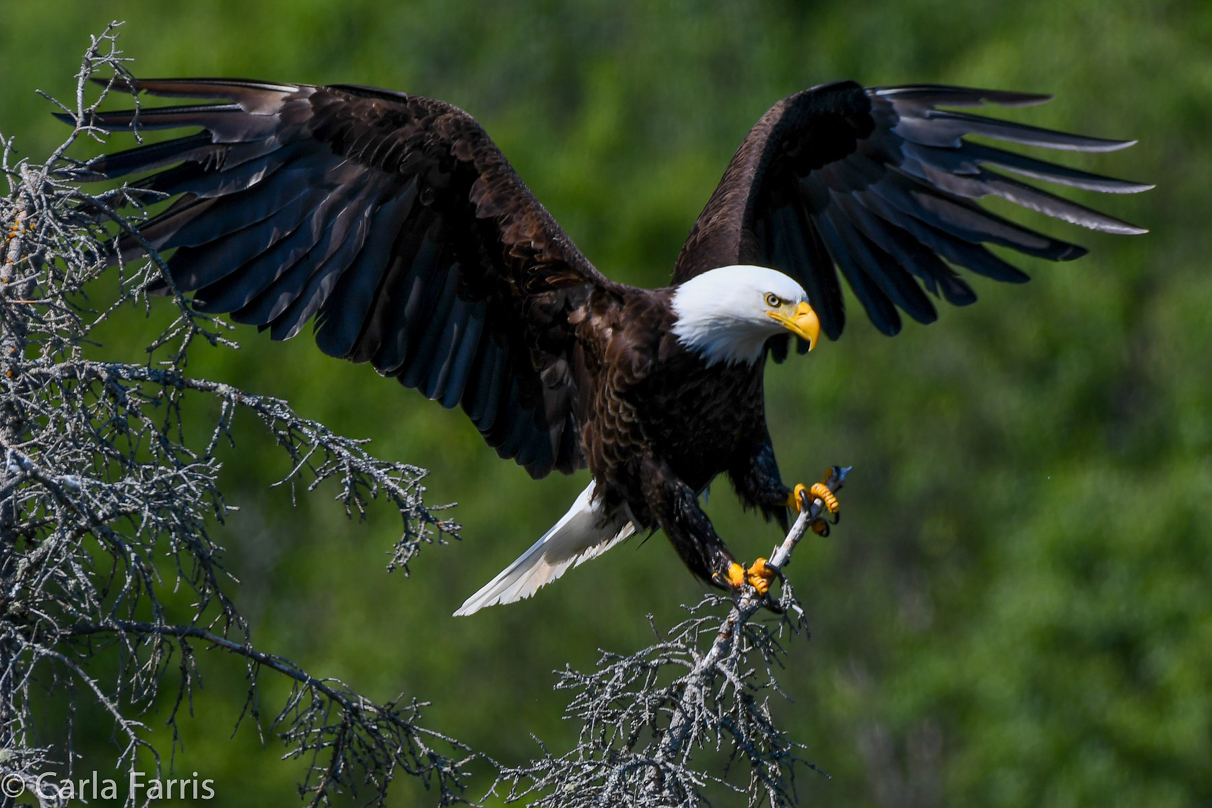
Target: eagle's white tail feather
[{"x": 581, "y": 534}]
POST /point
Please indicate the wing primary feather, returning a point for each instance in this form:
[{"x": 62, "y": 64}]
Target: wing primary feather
[
  {"x": 881, "y": 268},
  {"x": 965, "y": 219},
  {"x": 918, "y": 259},
  {"x": 1036, "y": 199},
  {"x": 957, "y": 251},
  {"x": 147, "y": 158},
  {"x": 879, "y": 308},
  {"x": 968, "y": 159},
  {"x": 207, "y": 116},
  {"x": 948, "y": 96},
  {"x": 942, "y": 128},
  {"x": 984, "y": 183},
  {"x": 234, "y": 89},
  {"x": 267, "y": 309},
  {"x": 899, "y": 243}
]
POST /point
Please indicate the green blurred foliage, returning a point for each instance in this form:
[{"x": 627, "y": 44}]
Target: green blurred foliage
[{"x": 1016, "y": 609}]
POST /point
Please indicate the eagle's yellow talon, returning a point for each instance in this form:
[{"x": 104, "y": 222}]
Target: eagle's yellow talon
[
  {"x": 817, "y": 491},
  {"x": 760, "y": 575},
  {"x": 736, "y": 575},
  {"x": 794, "y": 501},
  {"x": 821, "y": 492}
]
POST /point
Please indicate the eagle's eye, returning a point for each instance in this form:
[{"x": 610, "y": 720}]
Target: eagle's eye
[{"x": 773, "y": 300}]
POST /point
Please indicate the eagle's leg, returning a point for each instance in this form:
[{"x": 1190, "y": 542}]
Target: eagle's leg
[
  {"x": 755, "y": 476},
  {"x": 676, "y": 509}
]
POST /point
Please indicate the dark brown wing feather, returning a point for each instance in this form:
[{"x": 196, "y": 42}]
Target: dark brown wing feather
[
  {"x": 394, "y": 221},
  {"x": 880, "y": 183}
]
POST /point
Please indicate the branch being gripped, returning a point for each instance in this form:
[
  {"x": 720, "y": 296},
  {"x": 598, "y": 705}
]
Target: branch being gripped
[
  {"x": 751, "y": 600},
  {"x": 810, "y": 515},
  {"x": 698, "y": 682}
]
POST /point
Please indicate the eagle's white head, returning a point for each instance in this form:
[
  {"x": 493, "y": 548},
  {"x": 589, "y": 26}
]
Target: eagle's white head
[{"x": 727, "y": 314}]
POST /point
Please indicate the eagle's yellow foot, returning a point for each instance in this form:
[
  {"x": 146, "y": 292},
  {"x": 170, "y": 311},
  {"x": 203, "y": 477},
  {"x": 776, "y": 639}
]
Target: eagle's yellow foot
[
  {"x": 760, "y": 575},
  {"x": 736, "y": 575},
  {"x": 803, "y": 493}
]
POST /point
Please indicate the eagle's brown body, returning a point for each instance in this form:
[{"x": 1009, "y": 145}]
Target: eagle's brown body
[
  {"x": 396, "y": 223},
  {"x": 638, "y": 390}
]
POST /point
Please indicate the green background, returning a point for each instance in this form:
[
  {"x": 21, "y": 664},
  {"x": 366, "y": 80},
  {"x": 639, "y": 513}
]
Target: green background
[{"x": 1016, "y": 608}]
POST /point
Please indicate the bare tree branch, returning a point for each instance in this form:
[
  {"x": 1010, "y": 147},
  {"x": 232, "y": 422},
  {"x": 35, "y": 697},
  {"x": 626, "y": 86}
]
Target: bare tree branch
[{"x": 106, "y": 507}]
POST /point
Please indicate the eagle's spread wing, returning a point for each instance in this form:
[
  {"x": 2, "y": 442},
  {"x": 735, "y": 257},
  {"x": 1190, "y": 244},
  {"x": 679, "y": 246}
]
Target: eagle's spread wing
[
  {"x": 395, "y": 221},
  {"x": 881, "y": 183}
]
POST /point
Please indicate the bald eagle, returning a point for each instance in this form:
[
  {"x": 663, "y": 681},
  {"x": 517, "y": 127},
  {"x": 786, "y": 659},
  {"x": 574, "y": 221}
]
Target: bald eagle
[{"x": 397, "y": 225}]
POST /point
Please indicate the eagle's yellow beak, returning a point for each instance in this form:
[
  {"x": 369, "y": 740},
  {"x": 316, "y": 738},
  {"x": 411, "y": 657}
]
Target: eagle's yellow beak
[{"x": 802, "y": 322}]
